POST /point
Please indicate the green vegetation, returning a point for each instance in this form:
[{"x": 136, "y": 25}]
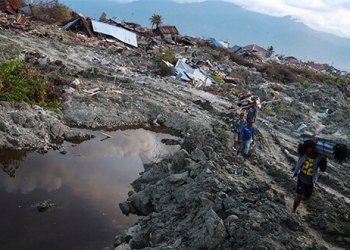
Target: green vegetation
[
  {"x": 168, "y": 56},
  {"x": 267, "y": 111},
  {"x": 280, "y": 107},
  {"x": 347, "y": 111},
  {"x": 305, "y": 84},
  {"x": 217, "y": 78},
  {"x": 23, "y": 82},
  {"x": 347, "y": 108}
]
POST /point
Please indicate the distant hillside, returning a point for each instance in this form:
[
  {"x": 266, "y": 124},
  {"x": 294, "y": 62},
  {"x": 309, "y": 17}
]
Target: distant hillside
[{"x": 229, "y": 22}]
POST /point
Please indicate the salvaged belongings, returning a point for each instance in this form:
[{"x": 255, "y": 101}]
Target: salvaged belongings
[
  {"x": 247, "y": 100},
  {"x": 329, "y": 148}
]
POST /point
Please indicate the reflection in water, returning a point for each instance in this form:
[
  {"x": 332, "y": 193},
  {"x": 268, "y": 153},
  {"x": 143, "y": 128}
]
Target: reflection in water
[
  {"x": 86, "y": 185},
  {"x": 11, "y": 160}
]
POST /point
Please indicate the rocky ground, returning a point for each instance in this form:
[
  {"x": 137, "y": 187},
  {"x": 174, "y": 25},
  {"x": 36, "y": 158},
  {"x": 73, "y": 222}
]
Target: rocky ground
[{"x": 204, "y": 196}]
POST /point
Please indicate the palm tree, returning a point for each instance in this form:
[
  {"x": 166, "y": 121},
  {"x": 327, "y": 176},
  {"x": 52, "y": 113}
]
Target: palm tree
[
  {"x": 270, "y": 51},
  {"x": 156, "y": 20}
]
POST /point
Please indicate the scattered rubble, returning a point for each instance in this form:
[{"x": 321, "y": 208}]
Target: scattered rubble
[{"x": 204, "y": 196}]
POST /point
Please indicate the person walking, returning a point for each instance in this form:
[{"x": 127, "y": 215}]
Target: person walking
[
  {"x": 252, "y": 112},
  {"x": 246, "y": 138},
  {"x": 306, "y": 171},
  {"x": 238, "y": 124}
]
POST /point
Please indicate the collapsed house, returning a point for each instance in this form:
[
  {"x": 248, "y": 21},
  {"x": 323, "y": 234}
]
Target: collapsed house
[
  {"x": 82, "y": 24},
  {"x": 6, "y": 6},
  {"x": 129, "y": 33},
  {"x": 17, "y": 16},
  {"x": 167, "y": 33},
  {"x": 251, "y": 49}
]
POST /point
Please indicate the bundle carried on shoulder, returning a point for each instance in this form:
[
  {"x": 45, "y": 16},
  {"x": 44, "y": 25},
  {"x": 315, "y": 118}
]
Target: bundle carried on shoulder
[
  {"x": 329, "y": 148},
  {"x": 246, "y": 101}
]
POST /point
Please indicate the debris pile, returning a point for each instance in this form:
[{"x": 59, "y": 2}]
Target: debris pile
[{"x": 204, "y": 196}]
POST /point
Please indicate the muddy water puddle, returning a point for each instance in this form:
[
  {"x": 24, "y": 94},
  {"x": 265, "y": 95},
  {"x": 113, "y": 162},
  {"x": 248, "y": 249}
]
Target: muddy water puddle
[{"x": 69, "y": 200}]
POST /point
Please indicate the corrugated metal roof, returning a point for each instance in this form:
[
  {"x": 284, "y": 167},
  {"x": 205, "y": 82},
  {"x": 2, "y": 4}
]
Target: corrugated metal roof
[
  {"x": 254, "y": 48},
  {"x": 121, "y": 34},
  {"x": 168, "y": 29},
  {"x": 291, "y": 60},
  {"x": 5, "y": 5},
  {"x": 78, "y": 17},
  {"x": 316, "y": 66},
  {"x": 69, "y": 24},
  {"x": 235, "y": 48},
  {"x": 21, "y": 19}
]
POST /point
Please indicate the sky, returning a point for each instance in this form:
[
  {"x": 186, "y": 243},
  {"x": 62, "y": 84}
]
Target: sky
[{"x": 330, "y": 16}]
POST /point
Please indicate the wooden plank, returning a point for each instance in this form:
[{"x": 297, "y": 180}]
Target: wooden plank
[
  {"x": 109, "y": 136},
  {"x": 90, "y": 91}
]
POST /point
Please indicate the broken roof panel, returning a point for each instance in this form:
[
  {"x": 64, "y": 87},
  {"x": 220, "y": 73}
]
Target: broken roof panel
[
  {"x": 235, "y": 48},
  {"x": 316, "y": 66},
  {"x": 21, "y": 19},
  {"x": 168, "y": 29},
  {"x": 68, "y": 25},
  {"x": 121, "y": 34},
  {"x": 216, "y": 43},
  {"x": 181, "y": 64},
  {"x": 254, "y": 48},
  {"x": 186, "y": 73}
]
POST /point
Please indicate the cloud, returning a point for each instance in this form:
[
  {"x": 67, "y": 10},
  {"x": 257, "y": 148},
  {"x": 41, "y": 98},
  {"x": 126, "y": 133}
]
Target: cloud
[
  {"x": 121, "y": 155},
  {"x": 329, "y": 16},
  {"x": 323, "y": 15}
]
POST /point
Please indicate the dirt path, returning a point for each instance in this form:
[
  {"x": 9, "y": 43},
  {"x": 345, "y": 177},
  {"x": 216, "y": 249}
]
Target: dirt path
[{"x": 277, "y": 172}]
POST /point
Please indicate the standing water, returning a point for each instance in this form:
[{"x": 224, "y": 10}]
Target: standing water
[{"x": 71, "y": 200}]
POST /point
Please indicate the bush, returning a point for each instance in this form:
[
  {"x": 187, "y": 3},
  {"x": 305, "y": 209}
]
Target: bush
[
  {"x": 305, "y": 84},
  {"x": 50, "y": 11},
  {"x": 240, "y": 60},
  {"x": 168, "y": 56},
  {"x": 23, "y": 82},
  {"x": 280, "y": 107},
  {"x": 279, "y": 73},
  {"x": 267, "y": 111},
  {"x": 217, "y": 78}
]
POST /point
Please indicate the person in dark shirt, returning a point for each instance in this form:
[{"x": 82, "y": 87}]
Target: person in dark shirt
[
  {"x": 306, "y": 171},
  {"x": 252, "y": 112},
  {"x": 237, "y": 127}
]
